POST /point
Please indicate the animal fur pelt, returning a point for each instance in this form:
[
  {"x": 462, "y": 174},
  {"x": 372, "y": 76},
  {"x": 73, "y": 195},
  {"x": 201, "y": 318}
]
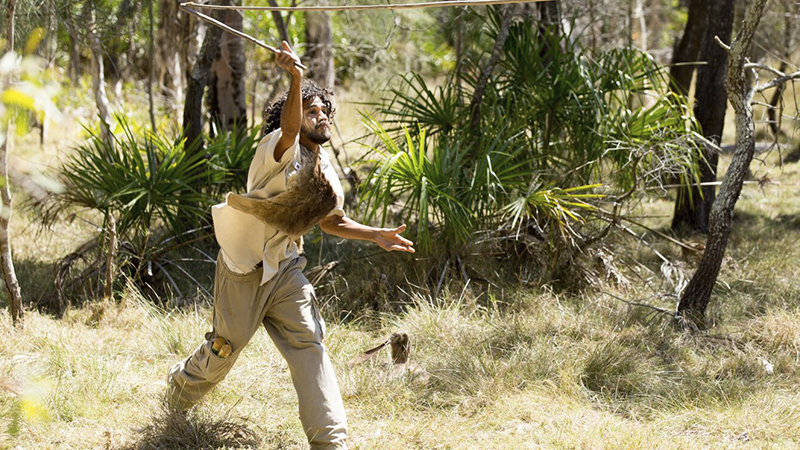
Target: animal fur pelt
[{"x": 308, "y": 198}]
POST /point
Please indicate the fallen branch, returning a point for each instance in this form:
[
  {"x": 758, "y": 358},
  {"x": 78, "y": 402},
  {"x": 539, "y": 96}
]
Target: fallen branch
[{"x": 644, "y": 305}]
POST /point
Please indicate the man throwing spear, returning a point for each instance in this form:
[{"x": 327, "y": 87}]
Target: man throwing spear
[{"x": 291, "y": 186}]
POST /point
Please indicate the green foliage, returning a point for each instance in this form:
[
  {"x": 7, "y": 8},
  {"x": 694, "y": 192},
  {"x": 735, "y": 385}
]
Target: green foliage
[
  {"x": 451, "y": 190},
  {"x": 432, "y": 186},
  {"x": 554, "y": 127},
  {"x": 229, "y": 155},
  {"x": 138, "y": 180},
  {"x": 157, "y": 190}
]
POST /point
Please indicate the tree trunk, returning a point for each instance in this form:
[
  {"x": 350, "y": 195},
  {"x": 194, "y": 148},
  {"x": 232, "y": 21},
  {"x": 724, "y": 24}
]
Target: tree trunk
[
  {"x": 549, "y": 15},
  {"x": 6, "y": 259},
  {"x": 226, "y": 85},
  {"x": 151, "y": 72},
  {"x": 168, "y": 39},
  {"x": 642, "y": 25},
  {"x": 688, "y": 49},
  {"x": 692, "y": 206},
  {"x": 774, "y": 112},
  {"x": 128, "y": 17},
  {"x": 75, "y": 69},
  {"x": 319, "y": 50},
  {"x": 192, "y": 35},
  {"x": 477, "y": 95},
  {"x": 279, "y": 22},
  {"x": 49, "y": 47},
  {"x": 695, "y": 298},
  {"x": 111, "y": 256},
  {"x": 98, "y": 74},
  {"x": 193, "y": 108}
]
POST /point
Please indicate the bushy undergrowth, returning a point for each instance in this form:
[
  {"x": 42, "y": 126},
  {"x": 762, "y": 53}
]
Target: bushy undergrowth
[
  {"x": 561, "y": 144},
  {"x": 157, "y": 191}
]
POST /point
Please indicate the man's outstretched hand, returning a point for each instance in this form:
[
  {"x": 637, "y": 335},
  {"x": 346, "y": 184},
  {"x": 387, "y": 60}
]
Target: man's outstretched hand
[{"x": 390, "y": 240}]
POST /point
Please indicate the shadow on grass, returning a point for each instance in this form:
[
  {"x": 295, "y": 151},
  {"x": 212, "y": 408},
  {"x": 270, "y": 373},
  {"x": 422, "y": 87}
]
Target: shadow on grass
[
  {"x": 36, "y": 281},
  {"x": 192, "y": 431}
]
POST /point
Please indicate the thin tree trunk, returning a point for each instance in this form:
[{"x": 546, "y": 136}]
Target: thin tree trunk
[
  {"x": 630, "y": 24},
  {"x": 49, "y": 46},
  {"x": 227, "y": 93},
  {"x": 642, "y": 25},
  {"x": 774, "y": 113},
  {"x": 549, "y": 15},
  {"x": 192, "y": 35},
  {"x": 6, "y": 259},
  {"x": 319, "y": 50},
  {"x": 279, "y": 22},
  {"x": 695, "y": 298},
  {"x": 111, "y": 256},
  {"x": 692, "y": 206},
  {"x": 168, "y": 37},
  {"x": 688, "y": 49},
  {"x": 593, "y": 25},
  {"x": 193, "y": 108},
  {"x": 459, "y": 51},
  {"x": 128, "y": 15},
  {"x": 74, "y": 69},
  {"x": 151, "y": 72},
  {"x": 486, "y": 72},
  {"x": 98, "y": 75}
]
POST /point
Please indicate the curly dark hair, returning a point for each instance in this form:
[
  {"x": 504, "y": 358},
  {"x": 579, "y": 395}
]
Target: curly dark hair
[{"x": 308, "y": 90}]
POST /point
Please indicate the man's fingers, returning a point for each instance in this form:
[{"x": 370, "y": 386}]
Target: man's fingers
[
  {"x": 401, "y": 248},
  {"x": 285, "y": 46},
  {"x": 405, "y": 241}
]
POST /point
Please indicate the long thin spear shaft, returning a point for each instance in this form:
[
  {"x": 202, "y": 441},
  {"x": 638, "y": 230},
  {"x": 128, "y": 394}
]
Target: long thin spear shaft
[
  {"x": 211, "y": 20},
  {"x": 362, "y": 7}
]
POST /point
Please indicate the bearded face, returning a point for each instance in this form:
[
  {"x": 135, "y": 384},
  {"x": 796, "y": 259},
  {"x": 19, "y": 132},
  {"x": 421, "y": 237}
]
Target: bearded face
[
  {"x": 319, "y": 134},
  {"x": 316, "y": 126}
]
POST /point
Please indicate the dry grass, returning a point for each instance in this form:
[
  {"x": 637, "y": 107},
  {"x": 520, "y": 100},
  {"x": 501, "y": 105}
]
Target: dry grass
[{"x": 518, "y": 368}]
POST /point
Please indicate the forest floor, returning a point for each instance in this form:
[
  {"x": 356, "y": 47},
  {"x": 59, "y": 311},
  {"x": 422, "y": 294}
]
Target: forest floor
[{"x": 532, "y": 369}]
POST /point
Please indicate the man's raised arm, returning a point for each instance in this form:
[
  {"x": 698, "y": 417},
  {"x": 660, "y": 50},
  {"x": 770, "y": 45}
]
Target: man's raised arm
[{"x": 292, "y": 113}]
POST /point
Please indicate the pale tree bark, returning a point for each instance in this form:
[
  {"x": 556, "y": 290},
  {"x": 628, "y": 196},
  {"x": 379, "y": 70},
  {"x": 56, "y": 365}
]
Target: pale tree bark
[
  {"x": 168, "y": 42},
  {"x": 642, "y": 25},
  {"x": 693, "y": 204},
  {"x": 226, "y": 85},
  {"x": 774, "y": 112},
  {"x": 111, "y": 256},
  {"x": 695, "y": 299},
  {"x": 688, "y": 50},
  {"x": 319, "y": 50},
  {"x": 98, "y": 75},
  {"x": 6, "y": 259}
]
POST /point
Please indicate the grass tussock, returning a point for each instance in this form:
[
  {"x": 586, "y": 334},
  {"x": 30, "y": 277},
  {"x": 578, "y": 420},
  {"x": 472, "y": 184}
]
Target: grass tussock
[{"x": 177, "y": 431}]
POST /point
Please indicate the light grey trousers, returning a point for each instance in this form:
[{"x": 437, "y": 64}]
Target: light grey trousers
[{"x": 287, "y": 308}]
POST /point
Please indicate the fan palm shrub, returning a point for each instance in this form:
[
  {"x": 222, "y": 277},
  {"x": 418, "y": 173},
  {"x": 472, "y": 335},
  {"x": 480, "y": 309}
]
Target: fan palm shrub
[
  {"x": 559, "y": 132},
  {"x": 144, "y": 189}
]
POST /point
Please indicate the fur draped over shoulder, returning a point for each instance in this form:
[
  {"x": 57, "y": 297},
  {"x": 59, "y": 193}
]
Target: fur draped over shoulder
[{"x": 308, "y": 199}]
